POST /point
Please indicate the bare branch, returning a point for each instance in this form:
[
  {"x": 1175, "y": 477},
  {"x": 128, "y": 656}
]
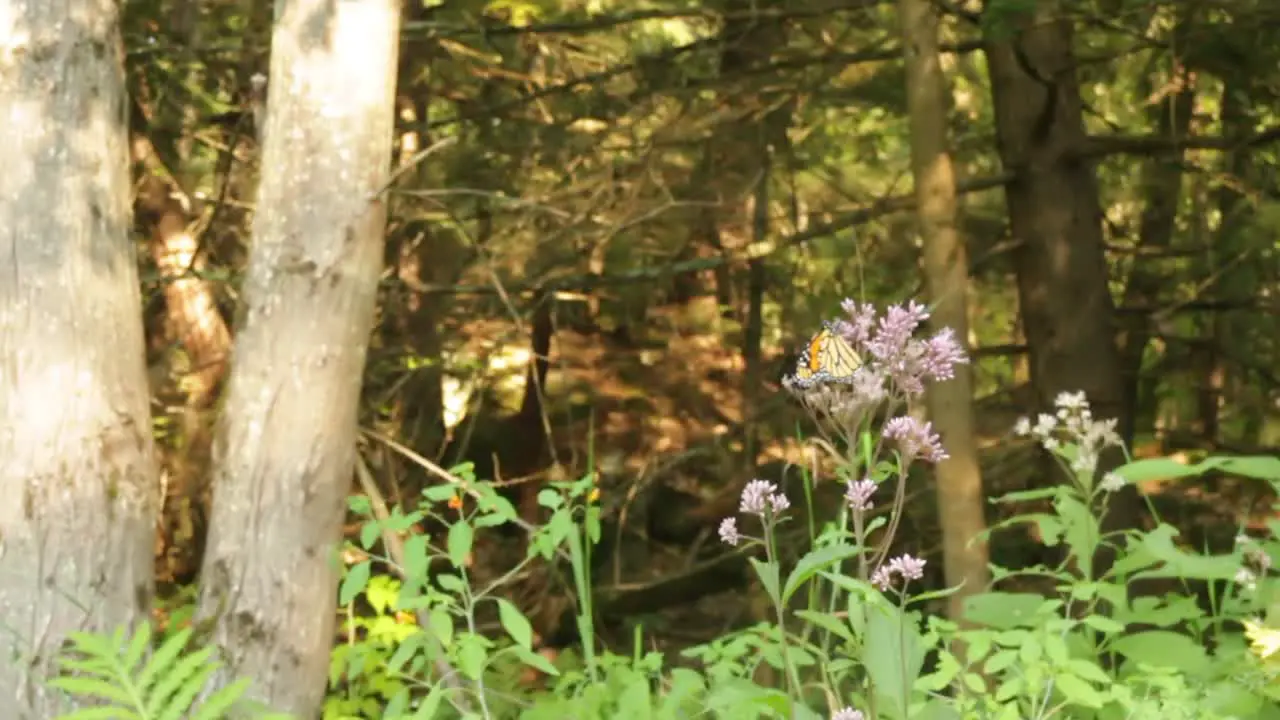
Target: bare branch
[{"x": 1100, "y": 145}]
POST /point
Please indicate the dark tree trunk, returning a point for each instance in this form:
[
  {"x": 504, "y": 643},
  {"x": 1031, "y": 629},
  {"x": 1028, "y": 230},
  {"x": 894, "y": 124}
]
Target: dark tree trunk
[{"x": 1066, "y": 306}]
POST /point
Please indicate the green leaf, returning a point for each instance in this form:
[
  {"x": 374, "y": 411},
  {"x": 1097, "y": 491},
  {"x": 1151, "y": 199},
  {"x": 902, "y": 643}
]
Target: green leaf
[
  {"x": 815, "y": 561},
  {"x": 827, "y": 622},
  {"x": 382, "y": 592},
  {"x": 1077, "y": 691},
  {"x": 1080, "y": 529},
  {"x": 369, "y": 534},
  {"x": 1004, "y": 610},
  {"x": 496, "y": 510},
  {"x": 515, "y": 623},
  {"x": 1181, "y": 564},
  {"x": 1164, "y": 649},
  {"x": 430, "y": 704},
  {"x": 190, "y": 669},
  {"x": 768, "y": 573},
  {"x": 416, "y": 557},
  {"x": 86, "y": 687},
  {"x": 441, "y": 623},
  {"x": 1258, "y": 467},
  {"x": 180, "y": 704},
  {"x": 440, "y": 493},
  {"x": 471, "y": 656},
  {"x": 138, "y": 646},
  {"x": 218, "y": 703},
  {"x": 537, "y": 661},
  {"x": 160, "y": 662},
  {"x": 354, "y": 582},
  {"x": 894, "y": 655},
  {"x": 450, "y": 582},
  {"x": 459, "y": 543},
  {"x": 100, "y": 713},
  {"x": 549, "y": 498},
  {"x": 399, "y": 703},
  {"x": 408, "y": 649},
  {"x": 1088, "y": 670}
]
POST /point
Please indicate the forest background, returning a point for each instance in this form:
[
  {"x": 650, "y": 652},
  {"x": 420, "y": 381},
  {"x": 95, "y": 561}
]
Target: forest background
[{"x": 609, "y": 228}]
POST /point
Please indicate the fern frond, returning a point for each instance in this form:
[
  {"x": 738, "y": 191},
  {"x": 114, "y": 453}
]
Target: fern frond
[{"x": 137, "y": 683}]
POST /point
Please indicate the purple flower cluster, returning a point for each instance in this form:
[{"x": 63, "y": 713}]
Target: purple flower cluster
[
  {"x": 890, "y": 345},
  {"x": 895, "y": 367},
  {"x": 915, "y": 439},
  {"x": 905, "y": 566}
]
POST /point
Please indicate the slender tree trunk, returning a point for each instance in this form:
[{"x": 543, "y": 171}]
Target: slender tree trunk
[
  {"x": 285, "y": 445},
  {"x": 77, "y": 471},
  {"x": 192, "y": 316},
  {"x": 1063, "y": 293},
  {"x": 946, "y": 264},
  {"x": 1162, "y": 190}
]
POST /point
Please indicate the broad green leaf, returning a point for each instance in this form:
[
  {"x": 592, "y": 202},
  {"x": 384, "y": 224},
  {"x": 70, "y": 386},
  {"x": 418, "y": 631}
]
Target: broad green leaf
[
  {"x": 1077, "y": 691},
  {"x": 768, "y": 573},
  {"x": 459, "y": 543},
  {"x": 407, "y": 650},
  {"x": 537, "y": 661},
  {"x": 515, "y": 623},
  {"x": 1003, "y": 610},
  {"x": 369, "y": 534},
  {"x": 827, "y": 622},
  {"x": 815, "y": 561},
  {"x": 1181, "y": 564},
  {"x": 1163, "y": 649},
  {"x": 416, "y": 557},
  {"x": 355, "y": 581},
  {"x": 894, "y": 655},
  {"x": 449, "y": 582},
  {"x": 382, "y": 592},
  {"x": 472, "y": 655},
  {"x": 441, "y": 625}
]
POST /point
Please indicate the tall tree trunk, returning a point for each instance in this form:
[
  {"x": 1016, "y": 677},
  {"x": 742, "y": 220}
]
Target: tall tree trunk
[
  {"x": 77, "y": 470},
  {"x": 285, "y": 445},
  {"x": 1062, "y": 276},
  {"x": 946, "y": 271}
]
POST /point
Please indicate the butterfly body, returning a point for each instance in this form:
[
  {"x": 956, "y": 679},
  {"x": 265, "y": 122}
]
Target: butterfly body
[{"x": 827, "y": 358}]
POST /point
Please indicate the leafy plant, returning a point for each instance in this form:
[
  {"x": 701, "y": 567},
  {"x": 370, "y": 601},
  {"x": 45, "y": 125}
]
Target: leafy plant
[{"x": 127, "y": 681}]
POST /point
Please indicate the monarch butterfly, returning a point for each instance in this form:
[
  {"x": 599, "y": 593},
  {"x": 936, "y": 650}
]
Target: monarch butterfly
[{"x": 827, "y": 358}]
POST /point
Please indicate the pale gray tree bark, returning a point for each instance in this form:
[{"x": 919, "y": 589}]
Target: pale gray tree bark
[
  {"x": 77, "y": 472},
  {"x": 284, "y": 448},
  {"x": 946, "y": 274}
]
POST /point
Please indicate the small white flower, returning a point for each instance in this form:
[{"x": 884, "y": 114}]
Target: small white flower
[
  {"x": 729, "y": 534},
  {"x": 1111, "y": 482},
  {"x": 1022, "y": 428}
]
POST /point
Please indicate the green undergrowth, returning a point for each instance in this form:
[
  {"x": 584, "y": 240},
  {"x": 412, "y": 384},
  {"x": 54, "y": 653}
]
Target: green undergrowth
[{"x": 850, "y": 635}]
